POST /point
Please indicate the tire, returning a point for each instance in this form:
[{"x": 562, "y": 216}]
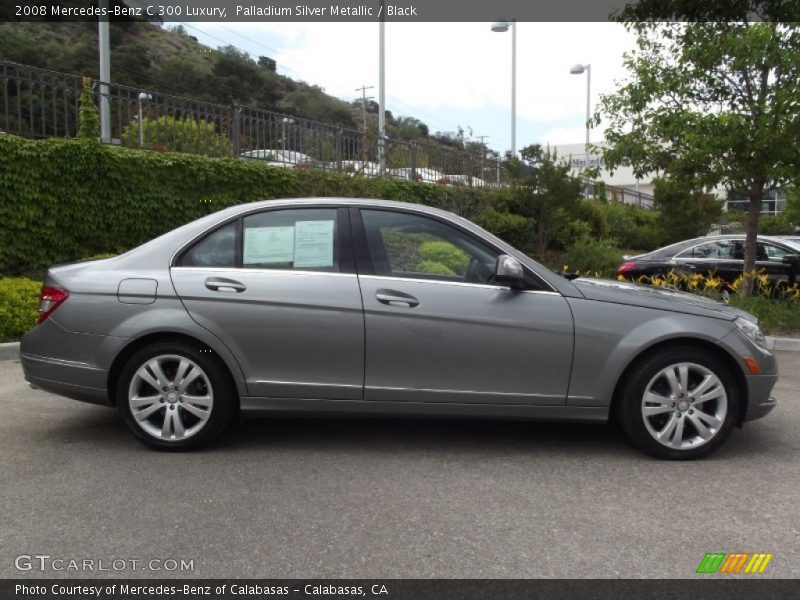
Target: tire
[
  {"x": 699, "y": 401},
  {"x": 175, "y": 396}
]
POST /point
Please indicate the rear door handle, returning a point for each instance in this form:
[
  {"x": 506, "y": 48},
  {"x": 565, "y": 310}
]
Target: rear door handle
[
  {"x": 395, "y": 298},
  {"x": 220, "y": 284}
]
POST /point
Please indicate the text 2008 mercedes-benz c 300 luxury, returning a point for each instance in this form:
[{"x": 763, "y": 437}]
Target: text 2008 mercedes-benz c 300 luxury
[{"x": 375, "y": 307}]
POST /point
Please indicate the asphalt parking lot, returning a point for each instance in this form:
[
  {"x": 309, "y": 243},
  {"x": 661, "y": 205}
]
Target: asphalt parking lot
[{"x": 391, "y": 498}]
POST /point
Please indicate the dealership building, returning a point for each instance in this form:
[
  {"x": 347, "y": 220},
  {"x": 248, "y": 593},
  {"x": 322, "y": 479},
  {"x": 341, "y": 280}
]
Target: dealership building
[{"x": 624, "y": 186}]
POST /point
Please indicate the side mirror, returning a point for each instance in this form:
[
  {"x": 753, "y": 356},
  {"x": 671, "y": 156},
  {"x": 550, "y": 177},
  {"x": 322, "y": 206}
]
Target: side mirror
[
  {"x": 508, "y": 271},
  {"x": 793, "y": 260}
]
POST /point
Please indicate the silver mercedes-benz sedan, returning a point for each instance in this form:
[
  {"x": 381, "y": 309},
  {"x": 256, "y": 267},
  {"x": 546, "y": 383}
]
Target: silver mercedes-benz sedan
[{"x": 374, "y": 307}]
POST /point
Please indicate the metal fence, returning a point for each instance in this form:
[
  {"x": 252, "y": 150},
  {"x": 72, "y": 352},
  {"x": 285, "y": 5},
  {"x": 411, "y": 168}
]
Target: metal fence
[
  {"x": 41, "y": 103},
  {"x": 613, "y": 193}
]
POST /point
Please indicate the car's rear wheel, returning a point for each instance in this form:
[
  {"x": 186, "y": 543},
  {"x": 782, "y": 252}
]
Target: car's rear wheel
[
  {"x": 680, "y": 403},
  {"x": 173, "y": 396}
]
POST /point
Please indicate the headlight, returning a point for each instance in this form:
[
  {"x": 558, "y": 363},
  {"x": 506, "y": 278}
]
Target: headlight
[{"x": 752, "y": 331}]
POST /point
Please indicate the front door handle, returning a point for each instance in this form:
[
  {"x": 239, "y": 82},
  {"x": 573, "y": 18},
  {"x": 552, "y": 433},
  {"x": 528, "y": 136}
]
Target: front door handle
[
  {"x": 220, "y": 284},
  {"x": 395, "y": 298}
]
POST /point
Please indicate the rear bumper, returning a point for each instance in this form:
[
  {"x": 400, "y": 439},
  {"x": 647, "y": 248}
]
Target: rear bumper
[
  {"x": 65, "y": 363},
  {"x": 66, "y": 378}
]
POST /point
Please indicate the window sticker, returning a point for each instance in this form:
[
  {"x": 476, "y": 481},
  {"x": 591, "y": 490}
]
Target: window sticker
[
  {"x": 268, "y": 245},
  {"x": 313, "y": 244}
]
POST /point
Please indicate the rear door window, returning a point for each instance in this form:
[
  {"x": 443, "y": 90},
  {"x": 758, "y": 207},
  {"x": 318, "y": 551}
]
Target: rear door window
[{"x": 297, "y": 239}]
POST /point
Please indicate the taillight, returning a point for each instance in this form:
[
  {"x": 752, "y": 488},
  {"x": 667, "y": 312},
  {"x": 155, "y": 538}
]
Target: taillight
[
  {"x": 50, "y": 298},
  {"x": 625, "y": 267}
]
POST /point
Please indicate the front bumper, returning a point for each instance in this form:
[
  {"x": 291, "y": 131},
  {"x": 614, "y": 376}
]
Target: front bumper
[
  {"x": 759, "y": 387},
  {"x": 760, "y": 400}
]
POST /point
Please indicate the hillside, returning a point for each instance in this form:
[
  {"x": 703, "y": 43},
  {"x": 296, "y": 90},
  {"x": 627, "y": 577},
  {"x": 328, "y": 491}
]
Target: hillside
[
  {"x": 168, "y": 59},
  {"x": 151, "y": 56}
]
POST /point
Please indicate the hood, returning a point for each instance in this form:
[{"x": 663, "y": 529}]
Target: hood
[{"x": 634, "y": 294}]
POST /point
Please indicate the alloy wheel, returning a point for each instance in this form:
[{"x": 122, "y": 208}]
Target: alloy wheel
[
  {"x": 170, "y": 397},
  {"x": 684, "y": 406}
]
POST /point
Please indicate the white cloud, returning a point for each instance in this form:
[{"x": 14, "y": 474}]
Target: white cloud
[{"x": 458, "y": 66}]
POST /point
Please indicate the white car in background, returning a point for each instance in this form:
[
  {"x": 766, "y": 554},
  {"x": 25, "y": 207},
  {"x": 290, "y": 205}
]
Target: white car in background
[
  {"x": 462, "y": 180},
  {"x": 429, "y": 175},
  {"x": 280, "y": 158},
  {"x": 365, "y": 168}
]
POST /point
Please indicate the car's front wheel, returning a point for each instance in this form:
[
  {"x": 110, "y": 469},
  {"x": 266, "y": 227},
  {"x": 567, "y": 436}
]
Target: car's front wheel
[
  {"x": 174, "y": 396},
  {"x": 680, "y": 403}
]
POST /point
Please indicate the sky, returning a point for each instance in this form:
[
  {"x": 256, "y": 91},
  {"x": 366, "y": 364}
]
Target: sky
[{"x": 450, "y": 75}]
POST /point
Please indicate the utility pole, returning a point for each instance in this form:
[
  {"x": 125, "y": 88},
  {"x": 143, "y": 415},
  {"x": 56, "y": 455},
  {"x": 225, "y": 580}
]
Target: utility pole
[
  {"x": 483, "y": 152},
  {"x": 363, "y": 89}
]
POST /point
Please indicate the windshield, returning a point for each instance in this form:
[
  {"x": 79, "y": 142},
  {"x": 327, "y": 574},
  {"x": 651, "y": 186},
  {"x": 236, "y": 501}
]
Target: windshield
[{"x": 794, "y": 245}]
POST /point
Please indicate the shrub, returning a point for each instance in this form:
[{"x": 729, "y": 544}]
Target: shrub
[
  {"x": 632, "y": 227},
  {"x": 513, "y": 229},
  {"x": 178, "y": 135},
  {"x": 775, "y": 225},
  {"x": 65, "y": 199},
  {"x": 453, "y": 259},
  {"x": 570, "y": 231},
  {"x": 19, "y": 303},
  {"x": 592, "y": 212},
  {"x": 589, "y": 256}
]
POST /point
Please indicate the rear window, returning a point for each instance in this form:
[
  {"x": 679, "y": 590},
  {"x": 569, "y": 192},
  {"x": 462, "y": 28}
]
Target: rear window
[{"x": 217, "y": 249}]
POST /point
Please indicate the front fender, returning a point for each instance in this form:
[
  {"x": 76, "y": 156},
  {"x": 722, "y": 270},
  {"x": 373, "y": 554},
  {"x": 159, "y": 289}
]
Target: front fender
[{"x": 609, "y": 336}]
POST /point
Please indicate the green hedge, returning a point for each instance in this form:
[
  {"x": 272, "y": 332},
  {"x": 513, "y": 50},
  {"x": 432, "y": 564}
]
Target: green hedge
[
  {"x": 19, "y": 302},
  {"x": 62, "y": 199}
]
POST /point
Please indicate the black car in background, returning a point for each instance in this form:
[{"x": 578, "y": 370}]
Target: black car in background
[{"x": 720, "y": 255}]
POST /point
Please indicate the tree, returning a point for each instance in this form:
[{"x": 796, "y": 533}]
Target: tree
[
  {"x": 541, "y": 186},
  {"x": 710, "y": 103}
]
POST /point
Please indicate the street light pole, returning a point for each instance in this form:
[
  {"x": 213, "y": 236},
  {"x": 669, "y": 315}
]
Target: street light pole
[
  {"x": 514, "y": 89},
  {"x": 502, "y": 27},
  {"x": 382, "y": 90},
  {"x": 143, "y": 97},
  {"x": 105, "y": 74},
  {"x": 578, "y": 70}
]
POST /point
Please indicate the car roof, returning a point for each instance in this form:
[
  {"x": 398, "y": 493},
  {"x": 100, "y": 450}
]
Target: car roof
[{"x": 327, "y": 201}]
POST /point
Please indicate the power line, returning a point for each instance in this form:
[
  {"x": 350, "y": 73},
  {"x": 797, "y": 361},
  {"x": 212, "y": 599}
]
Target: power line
[
  {"x": 248, "y": 39},
  {"x": 228, "y": 43}
]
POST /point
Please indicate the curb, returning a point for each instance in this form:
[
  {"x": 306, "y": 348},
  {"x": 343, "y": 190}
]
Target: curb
[
  {"x": 9, "y": 351},
  {"x": 783, "y": 344}
]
